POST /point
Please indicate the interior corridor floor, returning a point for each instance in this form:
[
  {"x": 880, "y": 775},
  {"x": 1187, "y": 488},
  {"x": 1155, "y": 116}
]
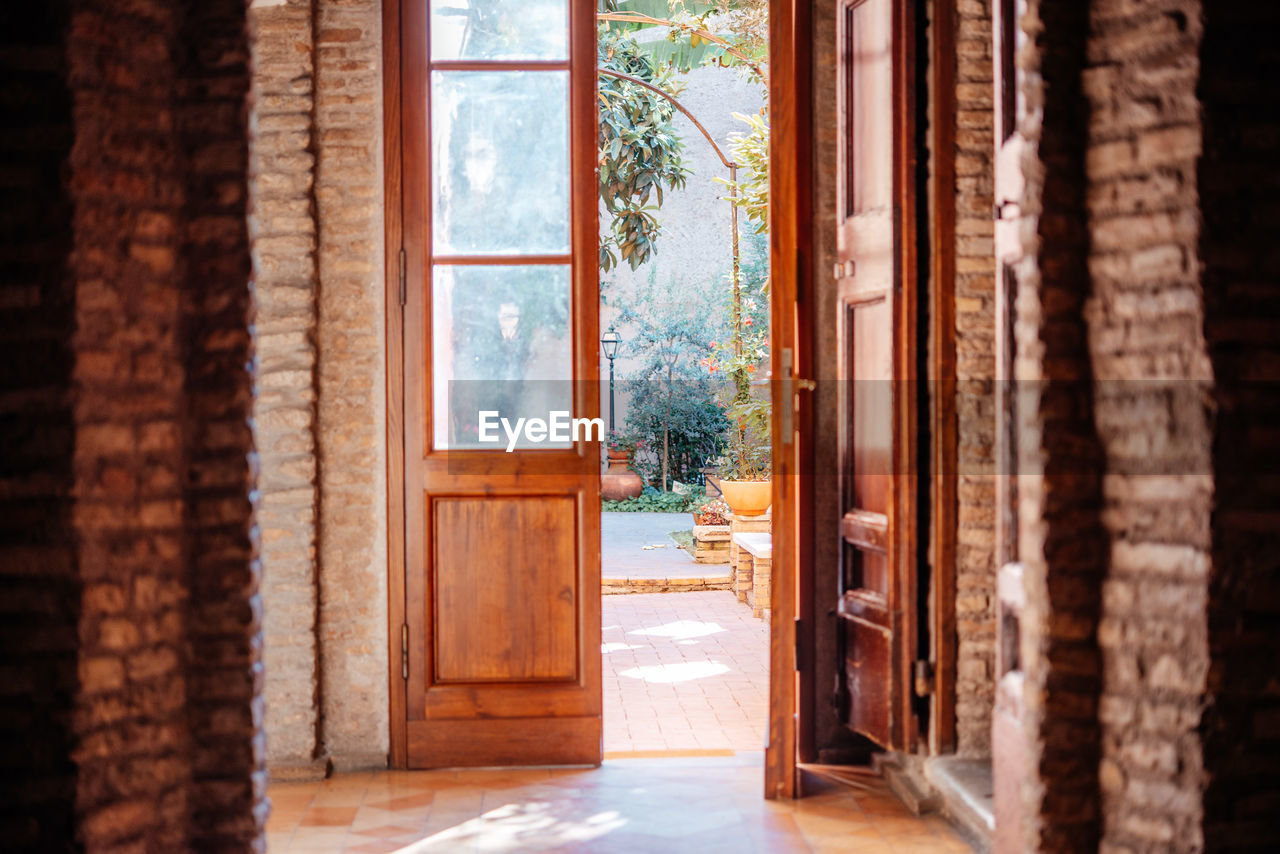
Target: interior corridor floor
[
  {"x": 705, "y": 805},
  {"x": 683, "y": 672}
]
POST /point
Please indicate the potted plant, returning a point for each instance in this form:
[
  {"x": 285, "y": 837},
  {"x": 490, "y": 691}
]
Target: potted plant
[
  {"x": 619, "y": 482},
  {"x": 713, "y": 511},
  {"x": 746, "y": 467}
]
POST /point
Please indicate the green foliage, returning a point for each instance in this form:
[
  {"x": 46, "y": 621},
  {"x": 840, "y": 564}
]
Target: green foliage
[
  {"x": 653, "y": 501},
  {"x": 750, "y": 150},
  {"x": 681, "y": 418},
  {"x": 740, "y": 26},
  {"x": 735, "y": 361},
  {"x": 672, "y": 418},
  {"x": 639, "y": 151}
]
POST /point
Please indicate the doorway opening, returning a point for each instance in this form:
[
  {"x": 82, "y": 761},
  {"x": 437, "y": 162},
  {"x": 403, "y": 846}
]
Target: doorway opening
[{"x": 684, "y": 309}]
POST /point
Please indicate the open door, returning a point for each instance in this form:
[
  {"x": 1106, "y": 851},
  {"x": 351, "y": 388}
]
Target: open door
[
  {"x": 877, "y": 339},
  {"x": 500, "y": 641},
  {"x": 790, "y": 667}
]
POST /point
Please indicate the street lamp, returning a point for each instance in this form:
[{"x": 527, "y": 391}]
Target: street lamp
[{"x": 610, "y": 341}]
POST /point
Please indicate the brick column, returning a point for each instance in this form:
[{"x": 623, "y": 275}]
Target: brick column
[
  {"x": 1062, "y": 544},
  {"x": 744, "y": 525},
  {"x": 135, "y": 564},
  {"x": 284, "y": 249}
]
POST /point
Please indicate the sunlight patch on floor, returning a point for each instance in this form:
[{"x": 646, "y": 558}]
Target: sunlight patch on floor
[
  {"x": 614, "y": 646},
  {"x": 681, "y": 630},
  {"x": 673, "y": 673},
  {"x": 513, "y": 826}
]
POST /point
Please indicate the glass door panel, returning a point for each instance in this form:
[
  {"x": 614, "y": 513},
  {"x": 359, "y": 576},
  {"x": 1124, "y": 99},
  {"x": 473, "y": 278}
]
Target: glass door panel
[
  {"x": 501, "y": 343},
  {"x": 499, "y": 29}
]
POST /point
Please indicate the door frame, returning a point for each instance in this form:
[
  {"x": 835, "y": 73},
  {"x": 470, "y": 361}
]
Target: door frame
[
  {"x": 790, "y": 245},
  {"x": 943, "y": 418},
  {"x": 792, "y": 698},
  {"x": 395, "y": 282},
  {"x": 398, "y": 66}
]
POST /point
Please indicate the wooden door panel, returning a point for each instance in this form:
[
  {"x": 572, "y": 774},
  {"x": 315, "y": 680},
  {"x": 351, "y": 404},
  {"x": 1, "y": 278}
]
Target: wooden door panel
[
  {"x": 500, "y": 311},
  {"x": 507, "y": 562},
  {"x": 875, "y": 367},
  {"x": 868, "y": 662},
  {"x": 536, "y": 740}
]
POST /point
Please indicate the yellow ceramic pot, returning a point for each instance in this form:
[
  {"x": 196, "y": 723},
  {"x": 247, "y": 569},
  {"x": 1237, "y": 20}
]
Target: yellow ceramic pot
[{"x": 747, "y": 497}]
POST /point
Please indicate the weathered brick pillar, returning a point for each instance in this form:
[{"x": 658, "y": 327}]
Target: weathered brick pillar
[
  {"x": 1151, "y": 407},
  {"x": 1062, "y": 544},
  {"x": 283, "y": 229},
  {"x": 975, "y": 366},
  {"x": 131, "y": 568}
]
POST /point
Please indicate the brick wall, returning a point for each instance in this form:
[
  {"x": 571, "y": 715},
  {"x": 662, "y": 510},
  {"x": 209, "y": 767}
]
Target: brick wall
[
  {"x": 1061, "y": 541},
  {"x": 39, "y": 585},
  {"x": 284, "y": 248},
  {"x": 135, "y": 570},
  {"x": 975, "y": 374},
  {"x": 320, "y": 414},
  {"x": 1151, "y": 412},
  {"x": 352, "y": 384},
  {"x": 219, "y": 474},
  {"x": 1237, "y": 183}
]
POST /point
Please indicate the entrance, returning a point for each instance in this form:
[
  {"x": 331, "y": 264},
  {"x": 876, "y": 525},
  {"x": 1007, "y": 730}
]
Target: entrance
[{"x": 495, "y": 582}]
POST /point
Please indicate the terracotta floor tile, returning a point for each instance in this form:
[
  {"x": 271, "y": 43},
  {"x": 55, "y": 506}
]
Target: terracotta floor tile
[
  {"x": 404, "y": 802},
  {"x": 328, "y": 817},
  {"x": 688, "y": 723}
]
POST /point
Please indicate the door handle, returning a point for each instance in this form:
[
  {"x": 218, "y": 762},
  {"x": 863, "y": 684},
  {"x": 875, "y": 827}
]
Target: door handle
[{"x": 791, "y": 384}]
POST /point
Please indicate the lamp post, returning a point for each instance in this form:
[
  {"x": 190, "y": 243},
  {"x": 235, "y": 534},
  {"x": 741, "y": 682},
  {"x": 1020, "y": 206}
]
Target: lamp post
[{"x": 609, "y": 342}]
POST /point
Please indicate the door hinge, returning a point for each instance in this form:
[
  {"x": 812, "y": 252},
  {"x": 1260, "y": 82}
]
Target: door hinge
[
  {"x": 798, "y": 636},
  {"x": 404, "y": 290},
  {"x": 924, "y": 678},
  {"x": 404, "y": 651}
]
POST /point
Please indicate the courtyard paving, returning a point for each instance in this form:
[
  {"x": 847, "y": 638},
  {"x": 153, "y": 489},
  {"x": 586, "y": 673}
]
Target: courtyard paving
[
  {"x": 683, "y": 672},
  {"x": 628, "y": 542}
]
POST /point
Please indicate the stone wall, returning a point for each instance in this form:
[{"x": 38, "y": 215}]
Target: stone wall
[
  {"x": 975, "y": 374},
  {"x": 352, "y": 382},
  {"x": 321, "y": 414},
  {"x": 135, "y": 570},
  {"x": 1061, "y": 540},
  {"x": 1151, "y": 376},
  {"x": 284, "y": 248}
]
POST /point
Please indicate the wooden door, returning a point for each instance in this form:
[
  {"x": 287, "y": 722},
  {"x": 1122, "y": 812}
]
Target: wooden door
[
  {"x": 790, "y": 233},
  {"x": 876, "y": 339},
  {"x": 500, "y": 657}
]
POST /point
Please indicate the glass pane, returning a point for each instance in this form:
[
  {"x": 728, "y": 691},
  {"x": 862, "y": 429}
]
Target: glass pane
[
  {"x": 500, "y": 343},
  {"x": 501, "y": 162},
  {"x": 499, "y": 29}
]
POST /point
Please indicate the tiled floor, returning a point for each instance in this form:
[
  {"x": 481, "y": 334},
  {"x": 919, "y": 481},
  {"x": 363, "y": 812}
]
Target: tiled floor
[
  {"x": 631, "y": 806},
  {"x": 683, "y": 671}
]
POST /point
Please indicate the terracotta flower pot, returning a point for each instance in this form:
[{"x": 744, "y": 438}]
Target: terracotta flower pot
[
  {"x": 747, "y": 497},
  {"x": 620, "y": 482}
]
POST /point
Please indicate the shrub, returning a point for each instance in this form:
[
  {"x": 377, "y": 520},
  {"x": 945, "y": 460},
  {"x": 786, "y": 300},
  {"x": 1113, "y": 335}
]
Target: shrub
[{"x": 653, "y": 501}]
